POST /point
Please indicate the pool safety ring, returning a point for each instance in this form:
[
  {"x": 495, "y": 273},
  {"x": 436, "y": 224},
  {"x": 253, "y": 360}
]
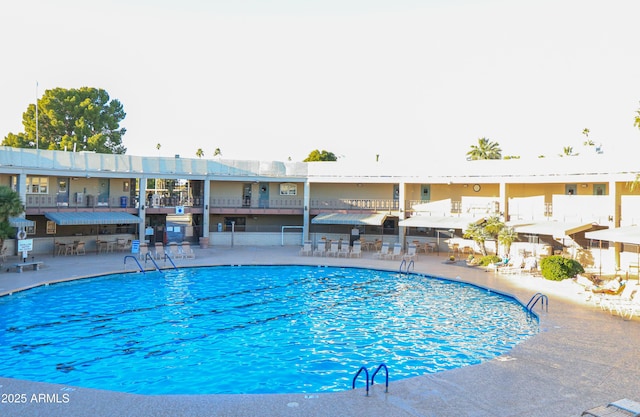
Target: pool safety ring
[{"x": 21, "y": 235}]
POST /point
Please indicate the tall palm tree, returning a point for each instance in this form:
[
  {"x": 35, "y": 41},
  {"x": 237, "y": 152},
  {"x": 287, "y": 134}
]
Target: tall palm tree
[
  {"x": 217, "y": 152},
  {"x": 506, "y": 237},
  {"x": 199, "y": 153},
  {"x": 485, "y": 149},
  {"x": 10, "y": 205}
]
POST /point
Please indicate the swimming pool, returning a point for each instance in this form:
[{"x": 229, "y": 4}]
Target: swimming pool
[{"x": 253, "y": 329}]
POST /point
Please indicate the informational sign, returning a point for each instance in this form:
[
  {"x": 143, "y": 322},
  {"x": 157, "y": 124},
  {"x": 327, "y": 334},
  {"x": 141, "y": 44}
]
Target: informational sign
[
  {"x": 179, "y": 209},
  {"x": 25, "y": 245},
  {"x": 148, "y": 231},
  {"x": 135, "y": 246}
]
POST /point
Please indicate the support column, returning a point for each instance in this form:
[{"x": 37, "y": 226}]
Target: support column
[
  {"x": 205, "y": 211},
  {"x": 21, "y": 188},
  {"x": 306, "y": 200},
  {"x": 142, "y": 206},
  {"x": 402, "y": 231},
  {"x": 504, "y": 201}
]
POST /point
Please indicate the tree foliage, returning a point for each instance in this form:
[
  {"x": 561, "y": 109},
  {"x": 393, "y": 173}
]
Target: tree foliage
[
  {"x": 316, "y": 155},
  {"x": 84, "y": 119},
  {"x": 491, "y": 229},
  {"x": 10, "y": 205},
  {"x": 485, "y": 149}
]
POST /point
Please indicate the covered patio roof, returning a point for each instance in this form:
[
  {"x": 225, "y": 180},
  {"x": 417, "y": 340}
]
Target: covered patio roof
[
  {"x": 365, "y": 219},
  {"x": 91, "y": 217},
  {"x": 440, "y": 222},
  {"x": 626, "y": 234},
  {"x": 552, "y": 228}
]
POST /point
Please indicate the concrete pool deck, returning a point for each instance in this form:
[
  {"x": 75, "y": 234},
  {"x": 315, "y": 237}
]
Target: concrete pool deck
[{"x": 583, "y": 357}]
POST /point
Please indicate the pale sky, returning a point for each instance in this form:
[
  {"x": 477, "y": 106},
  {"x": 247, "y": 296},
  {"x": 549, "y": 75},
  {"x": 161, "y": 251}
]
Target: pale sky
[{"x": 405, "y": 79}]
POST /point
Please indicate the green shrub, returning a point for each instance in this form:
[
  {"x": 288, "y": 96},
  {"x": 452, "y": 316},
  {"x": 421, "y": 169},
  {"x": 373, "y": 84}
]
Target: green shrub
[
  {"x": 490, "y": 259},
  {"x": 557, "y": 268}
]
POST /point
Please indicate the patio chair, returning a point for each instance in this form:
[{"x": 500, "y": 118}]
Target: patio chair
[
  {"x": 159, "y": 250},
  {"x": 396, "y": 253},
  {"x": 344, "y": 250},
  {"x": 144, "y": 250},
  {"x": 412, "y": 253},
  {"x": 333, "y": 251},
  {"x": 307, "y": 249},
  {"x": 321, "y": 250},
  {"x": 383, "y": 252},
  {"x": 356, "y": 251},
  {"x": 80, "y": 249},
  {"x": 174, "y": 251},
  {"x": 187, "y": 252}
]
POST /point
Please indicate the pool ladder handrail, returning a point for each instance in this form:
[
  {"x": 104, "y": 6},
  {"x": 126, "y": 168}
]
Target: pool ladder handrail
[
  {"x": 373, "y": 376},
  {"x": 166, "y": 256},
  {"x": 134, "y": 258},
  {"x": 366, "y": 372},
  {"x": 544, "y": 302},
  {"x": 148, "y": 256},
  {"x": 382, "y": 365},
  {"x": 409, "y": 265}
]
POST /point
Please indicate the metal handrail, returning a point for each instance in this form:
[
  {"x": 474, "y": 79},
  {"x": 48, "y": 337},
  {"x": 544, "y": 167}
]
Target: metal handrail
[
  {"x": 148, "y": 256},
  {"x": 134, "y": 258},
  {"x": 353, "y": 383},
  {"x": 382, "y": 365},
  {"x": 534, "y": 300}
]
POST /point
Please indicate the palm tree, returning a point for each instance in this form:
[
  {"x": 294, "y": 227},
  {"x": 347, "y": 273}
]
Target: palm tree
[
  {"x": 10, "y": 205},
  {"x": 158, "y": 146},
  {"x": 485, "y": 149},
  {"x": 568, "y": 151},
  {"x": 217, "y": 152},
  {"x": 199, "y": 153},
  {"x": 479, "y": 235},
  {"x": 506, "y": 237}
]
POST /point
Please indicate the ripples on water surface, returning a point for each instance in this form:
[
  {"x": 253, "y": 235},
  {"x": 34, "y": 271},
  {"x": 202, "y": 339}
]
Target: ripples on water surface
[{"x": 251, "y": 329}]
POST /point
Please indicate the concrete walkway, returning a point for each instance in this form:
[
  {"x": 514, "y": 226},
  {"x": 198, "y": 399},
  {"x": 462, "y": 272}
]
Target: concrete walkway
[{"x": 582, "y": 358}]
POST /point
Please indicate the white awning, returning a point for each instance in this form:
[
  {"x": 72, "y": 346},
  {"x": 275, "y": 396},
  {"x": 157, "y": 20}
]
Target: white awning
[
  {"x": 440, "y": 222},
  {"x": 367, "y": 219},
  {"x": 556, "y": 229},
  {"x": 627, "y": 234}
]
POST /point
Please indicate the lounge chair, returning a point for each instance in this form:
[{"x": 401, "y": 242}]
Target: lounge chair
[
  {"x": 321, "y": 250},
  {"x": 344, "y": 250},
  {"x": 396, "y": 253},
  {"x": 609, "y": 301},
  {"x": 159, "y": 250},
  {"x": 174, "y": 251},
  {"x": 144, "y": 250},
  {"x": 306, "y": 250},
  {"x": 383, "y": 252},
  {"x": 334, "y": 249},
  {"x": 187, "y": 252},
  {"x": 620, "y": 408},
  {"x": 356, "y": 250},
  {"x": 412, "y": 253},
  {"x": 629, "y": 307}
]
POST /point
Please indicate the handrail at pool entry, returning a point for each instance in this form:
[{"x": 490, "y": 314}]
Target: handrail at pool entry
[
  {"x": 382, "y": 365},
  {"x": 409, "y": 265},
  {"x": 366, "y": 373},
  {"x": 134, "y": 258},
  {"x": 534, "y": 300},
  {"x": 148, "y": 256},
  {"x": 166, "y": 256}
]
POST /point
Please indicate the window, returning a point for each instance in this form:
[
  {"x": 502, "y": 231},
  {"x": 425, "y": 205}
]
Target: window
[
  {"x": 37, "y": 185},
  {"x": 288, "y": 189}
]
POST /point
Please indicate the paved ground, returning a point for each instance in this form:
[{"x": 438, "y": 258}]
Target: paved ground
[{"x": 582, "y": 358}]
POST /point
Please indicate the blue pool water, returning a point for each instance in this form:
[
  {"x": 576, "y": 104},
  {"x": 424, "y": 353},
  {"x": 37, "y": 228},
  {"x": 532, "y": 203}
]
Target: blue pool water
[{"x": 263, "y": 329}]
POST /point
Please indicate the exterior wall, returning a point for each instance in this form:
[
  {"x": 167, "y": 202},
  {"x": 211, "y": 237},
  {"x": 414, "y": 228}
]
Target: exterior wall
[{"x": 351, "y": 191}]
